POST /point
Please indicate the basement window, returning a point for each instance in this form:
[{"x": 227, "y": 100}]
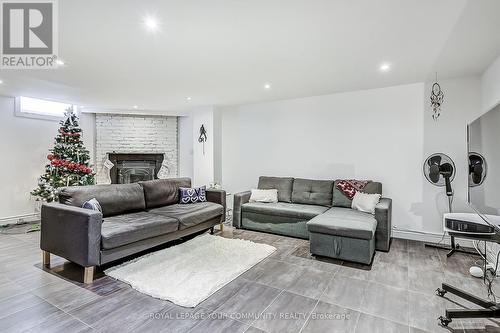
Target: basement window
[{"x": 40, "y": 108}]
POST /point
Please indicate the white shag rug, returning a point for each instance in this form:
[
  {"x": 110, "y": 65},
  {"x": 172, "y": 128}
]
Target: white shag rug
[{"x": 188, "y": 273}]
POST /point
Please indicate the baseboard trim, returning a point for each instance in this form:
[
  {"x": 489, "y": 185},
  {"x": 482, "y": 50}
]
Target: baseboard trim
[
  {"x": 429, "y": 237},
  {"x": 19, "y": 219}
]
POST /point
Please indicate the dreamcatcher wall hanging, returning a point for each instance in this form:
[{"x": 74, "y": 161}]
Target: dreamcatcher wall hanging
[
  {"x": 437, "y": 98},
  {"x": 203, "y": 137}
]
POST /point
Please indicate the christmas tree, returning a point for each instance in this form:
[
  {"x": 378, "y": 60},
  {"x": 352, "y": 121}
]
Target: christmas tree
[{"x": 68, "y": 161}]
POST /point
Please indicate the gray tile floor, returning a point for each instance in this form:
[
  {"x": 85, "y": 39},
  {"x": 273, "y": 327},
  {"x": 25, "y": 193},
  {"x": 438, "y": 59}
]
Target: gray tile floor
[{"x": 288, "y": 292}]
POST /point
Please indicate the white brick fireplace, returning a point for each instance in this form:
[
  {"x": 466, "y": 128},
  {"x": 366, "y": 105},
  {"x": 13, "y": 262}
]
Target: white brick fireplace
[{"x": 141, "y": 134}]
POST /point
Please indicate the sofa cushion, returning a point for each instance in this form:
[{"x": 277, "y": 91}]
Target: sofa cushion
[
  {"x": 163, "y": 192},
  {"x": 284, "y": 209},
  {"x": 312, "y": 192},
  {"x": 344, "y": 222},
  {"x": 282, "y": 184},
  {"x": 115, "y": 199},
  {"x": 189, "y": 215},
  {"x": 340, "y": 200},
  {"x": 124, "y": 229}
]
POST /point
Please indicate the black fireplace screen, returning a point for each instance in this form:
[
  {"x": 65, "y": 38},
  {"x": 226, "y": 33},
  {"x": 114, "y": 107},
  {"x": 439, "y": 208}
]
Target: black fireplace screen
[
  {"x": 135, "y": 171},
  {"x": 133, "y": 168}
]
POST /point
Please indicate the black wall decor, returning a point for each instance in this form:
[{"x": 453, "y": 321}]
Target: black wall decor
[
  {"x": 203, "y": 137},
  {"x": 437, "y": 99}
]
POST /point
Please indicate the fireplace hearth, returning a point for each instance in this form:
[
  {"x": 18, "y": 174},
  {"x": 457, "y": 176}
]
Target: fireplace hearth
[{"x": 133, "y": 168}]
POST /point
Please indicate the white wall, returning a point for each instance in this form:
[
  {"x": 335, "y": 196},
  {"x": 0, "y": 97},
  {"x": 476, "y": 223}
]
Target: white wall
[
  {"x": 203, "y": 154},
  {"x": 186, "y": 146},
  {"x": 203, "y": 167},
  {"x": 372, "y": 134},
  {"x": 24, "y": 146},
  {"x": 462, "y": 104},
  {"x": 490, "y": 86},
  {"x": 217, "y": 123}
]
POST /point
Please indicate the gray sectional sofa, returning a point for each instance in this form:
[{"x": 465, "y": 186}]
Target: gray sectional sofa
[
  {"x": 134, "y": 218},
  {"x": 318, "y": 211}
]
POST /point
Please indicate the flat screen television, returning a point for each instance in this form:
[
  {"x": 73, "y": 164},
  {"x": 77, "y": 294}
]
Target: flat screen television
[{"x": 484, "y": 177}]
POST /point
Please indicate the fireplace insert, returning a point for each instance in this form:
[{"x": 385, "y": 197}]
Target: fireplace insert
[{"x": 133, "y": 168}]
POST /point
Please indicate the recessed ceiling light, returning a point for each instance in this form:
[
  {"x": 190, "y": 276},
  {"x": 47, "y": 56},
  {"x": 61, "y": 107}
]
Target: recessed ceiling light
[
  {"x": 151, "y": 23},
  {"x": 135, "y": 106},
  {"x": 59, "y": 62},
  {"x": 1, "y": 81},
  {"x": 267, "y": 86},
  {"x": 385, "y": 67},
  {"x": 188, "y": 98}
]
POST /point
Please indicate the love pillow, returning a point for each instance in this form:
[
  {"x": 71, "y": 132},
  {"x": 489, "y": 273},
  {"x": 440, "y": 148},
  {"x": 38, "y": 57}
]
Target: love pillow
[{"x": 192, "y": 195}]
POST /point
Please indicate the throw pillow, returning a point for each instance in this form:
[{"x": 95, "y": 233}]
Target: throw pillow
[
  {"x": 92, "y": 204},
  {"x": 349, "y": 187},
  {"x": 192, "y": 195},
  {"x": 264, "y": 195},
  {"x": 365, "y": 202}
]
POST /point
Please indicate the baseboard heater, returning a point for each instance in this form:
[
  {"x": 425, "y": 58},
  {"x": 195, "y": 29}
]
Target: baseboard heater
[{"x": 17, "y": 219}]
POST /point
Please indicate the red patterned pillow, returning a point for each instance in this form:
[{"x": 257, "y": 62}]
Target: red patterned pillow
[{"x": 349, "y": 187}]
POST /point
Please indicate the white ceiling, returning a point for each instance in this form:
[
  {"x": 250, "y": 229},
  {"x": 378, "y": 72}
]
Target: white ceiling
[{"x": 222, "y": 52}]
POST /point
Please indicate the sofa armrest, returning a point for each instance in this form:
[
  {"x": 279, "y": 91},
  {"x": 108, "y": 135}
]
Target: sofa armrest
[
  {"x": 383, "y": 212},
  {"x": 218, "y": 196},
  {"x": 383, "y": 215},
  {"x": 239, "y": 199},
  {"x": 71, "y": 232}
]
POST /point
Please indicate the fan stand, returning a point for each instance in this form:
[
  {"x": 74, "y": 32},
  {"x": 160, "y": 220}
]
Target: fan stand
[{"x": 454, "y": 246}]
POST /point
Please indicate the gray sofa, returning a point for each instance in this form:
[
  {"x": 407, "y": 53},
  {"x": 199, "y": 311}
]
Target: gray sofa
[
  {"x": 318, "y": 211},
  {"x": 135, "y": 217}
]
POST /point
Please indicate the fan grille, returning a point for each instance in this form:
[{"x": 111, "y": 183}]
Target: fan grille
[{"x": 435, "y": 165}]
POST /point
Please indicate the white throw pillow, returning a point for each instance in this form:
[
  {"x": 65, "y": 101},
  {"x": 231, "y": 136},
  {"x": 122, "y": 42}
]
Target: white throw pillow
[
  {"x": 264, "y": 195},
  {"x": 365, "y": 202}
]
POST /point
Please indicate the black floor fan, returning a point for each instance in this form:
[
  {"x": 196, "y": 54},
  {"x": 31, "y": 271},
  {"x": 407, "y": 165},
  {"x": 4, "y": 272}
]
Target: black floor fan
[{"x": 439, "y": 170}]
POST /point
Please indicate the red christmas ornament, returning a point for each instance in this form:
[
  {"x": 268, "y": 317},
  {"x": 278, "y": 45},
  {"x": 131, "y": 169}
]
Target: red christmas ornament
[{"x": 55, "y": 162}]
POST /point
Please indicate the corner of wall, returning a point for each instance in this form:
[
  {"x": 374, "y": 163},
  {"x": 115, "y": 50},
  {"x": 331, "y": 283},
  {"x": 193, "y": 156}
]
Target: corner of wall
[{"x": 490, "y": 86}]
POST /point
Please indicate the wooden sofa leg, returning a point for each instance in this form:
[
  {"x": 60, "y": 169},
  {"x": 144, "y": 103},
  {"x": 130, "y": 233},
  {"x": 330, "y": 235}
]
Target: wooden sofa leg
[
  {"x": 88, "y": 275},
  {"x": 46, "y": 258}
]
